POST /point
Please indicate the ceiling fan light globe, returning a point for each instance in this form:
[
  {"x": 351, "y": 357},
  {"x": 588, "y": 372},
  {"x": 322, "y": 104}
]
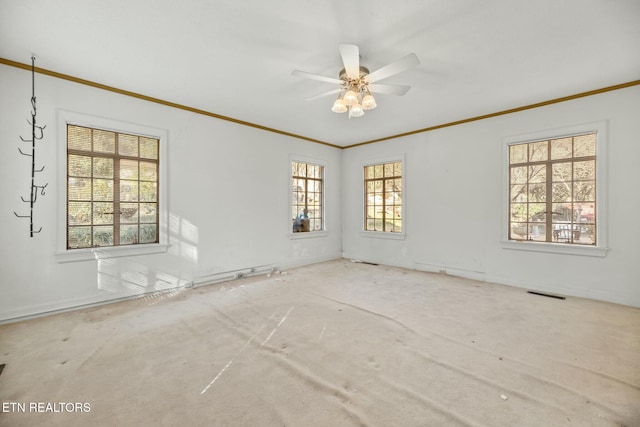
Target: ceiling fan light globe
[
  {"x": 356, "y": 110},
  {"x": 350, "y": 98},
  {"x": 339, "y": 106},
  {"x": 368, "y": 102}
]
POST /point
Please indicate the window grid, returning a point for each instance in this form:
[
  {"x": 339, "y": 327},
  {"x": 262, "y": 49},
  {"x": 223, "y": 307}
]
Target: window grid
[
  {"x": 307, "y": 201},
  {"x": 552, "y": 190},
  {"x": 112, "y": 188},
  {"x": 383, "y": 197}
]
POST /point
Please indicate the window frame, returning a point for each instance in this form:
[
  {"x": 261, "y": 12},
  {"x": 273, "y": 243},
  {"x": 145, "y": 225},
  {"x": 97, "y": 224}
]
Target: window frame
[
  {"x": 600, "y": 249},
  {"x": 314, "y": 162},
  {"x": 398, "y": 158},
  {"x": 63, "y": 254}
]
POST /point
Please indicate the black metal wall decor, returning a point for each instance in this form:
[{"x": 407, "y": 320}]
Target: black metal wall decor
[{"x": 37, "y": 133}]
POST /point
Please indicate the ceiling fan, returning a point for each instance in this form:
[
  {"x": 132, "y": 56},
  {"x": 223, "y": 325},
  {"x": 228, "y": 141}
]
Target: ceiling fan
[{"x": 356, "y": 83}]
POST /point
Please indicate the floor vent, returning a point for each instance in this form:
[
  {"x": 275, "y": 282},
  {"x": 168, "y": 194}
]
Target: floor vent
[{"x": 546, "y": 295}]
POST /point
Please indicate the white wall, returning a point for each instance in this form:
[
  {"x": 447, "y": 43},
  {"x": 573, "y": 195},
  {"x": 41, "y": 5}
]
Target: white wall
[
  {"x": 228, "y": 208},
  {"x": 218, "y": 224},
  {"x": 454, "y": 207}
]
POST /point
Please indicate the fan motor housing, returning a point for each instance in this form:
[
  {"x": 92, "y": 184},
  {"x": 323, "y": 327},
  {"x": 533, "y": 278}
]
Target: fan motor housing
[{"x": 343, "y": 73}]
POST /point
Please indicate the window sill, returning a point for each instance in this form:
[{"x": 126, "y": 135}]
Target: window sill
[
  {"x": 308, "y": 234},
  {"x": 557, "y": 248},
  {"x": 382, "y": 235},
  {"x": 74, "y": 255}
]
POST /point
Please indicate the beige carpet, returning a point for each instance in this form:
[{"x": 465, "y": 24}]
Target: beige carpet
[{"x": 332, "y": 344}]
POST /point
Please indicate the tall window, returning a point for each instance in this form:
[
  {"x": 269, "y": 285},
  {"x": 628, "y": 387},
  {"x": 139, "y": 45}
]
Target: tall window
[
  {"x": 552, "y": 190},
  {"x": 307, "y": 197},
  {"x": 383, "y": 197},
  {"x": 112, "y": 188}
]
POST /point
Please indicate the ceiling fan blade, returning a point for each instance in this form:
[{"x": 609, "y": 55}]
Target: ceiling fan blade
[
  {"x": 322, "y": 95},
  {"x": 315, "y": 77},
  {"x": 389, "y": 89},
  {"x": 396, "y": 67},
  {"x": 351, "y": 59}
]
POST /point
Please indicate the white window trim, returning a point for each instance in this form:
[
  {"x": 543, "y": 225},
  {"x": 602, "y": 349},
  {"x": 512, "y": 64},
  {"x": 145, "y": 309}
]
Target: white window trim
[
  {"x": 384, "y": 234},
  {"x": 309, "y": 234},
  {"x": 602, "y": 185},
  {"x": 63, "y": 254}
]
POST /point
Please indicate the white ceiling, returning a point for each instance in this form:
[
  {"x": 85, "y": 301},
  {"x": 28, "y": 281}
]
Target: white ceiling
[{"x": 234, "y": 58}]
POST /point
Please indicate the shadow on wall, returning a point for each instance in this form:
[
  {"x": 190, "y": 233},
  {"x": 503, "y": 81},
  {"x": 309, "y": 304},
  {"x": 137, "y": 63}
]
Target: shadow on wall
[{"x": 131, "y": 277}]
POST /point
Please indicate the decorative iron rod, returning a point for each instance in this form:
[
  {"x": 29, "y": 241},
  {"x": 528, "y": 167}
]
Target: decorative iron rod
[{"x": 37, "y": 133}]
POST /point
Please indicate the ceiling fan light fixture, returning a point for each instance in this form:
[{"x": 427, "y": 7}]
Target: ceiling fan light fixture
[
  {"x": 356, "y": 110},
  {"x": 356, "y": 82},
  {"x": 339, "y": 106},
  {"x": 368, "y": 102},
  {"x": 350, "y": 98}
]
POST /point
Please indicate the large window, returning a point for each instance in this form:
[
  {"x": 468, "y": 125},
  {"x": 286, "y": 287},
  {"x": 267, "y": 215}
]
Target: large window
[
  {"x": 112, "y": 188},
  {"x": 383, "y": 197},
  {"x": 552, "y": 190},
  {"x": 307, "y": 197}
]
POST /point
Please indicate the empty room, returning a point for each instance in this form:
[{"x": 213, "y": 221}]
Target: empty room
[{"x": 329, "y": 213}]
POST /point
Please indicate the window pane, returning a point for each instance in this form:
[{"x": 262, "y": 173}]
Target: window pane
[
  {"x": 537, "y": 192},
  {"x": 518, "y": 193},
  {"x": 519, "y": 175},
  {"x": 104, "y": 141},
  {"x": 584, "y": 145},
  {"x": 103, "y": 236},
  {"x": 561, "y": 212},
  {"x": 103, "y": 213},
  {"x": 128, "y": 234},
  {"x": 79, "y": 165},
  {"x": 148, "y": 233},
  {"x": 538, "y": 151},
  {"x": 537, "y": 212},
  {"x": 368, "y": 172},
  {"x": 103, "y": 189},
  {"x": 102, "y": 167},
  {"x": 397, "y": 169},
  {"x": 561, "y": 192},
  {"x": 378, "y": 171},
  {"x": 127, "y": 145},
  {"x": 128, "y": 191},
  {"x": 129, "y": 169},
  {"x": 561, "y": 148},
  {"x": 79, "y": 189},
  {"x": 584, "y": 212},
  {"x": 538, "y": 232},
  {"x": 586, "y": 235},
  {"x": 79, "y": 213},
  {"x": 519, "y": 212},
  {"x": 562, "y": 171},
  {"x": 78, "y": 138},
  {"x": 584, "y": 170},
  {"x": 518, "y": 153},
  {"x": 518, "y": 231},
  {"x": 148, "y": 148},
  {"x": 584, "y": 191},
  {"x": 128, "y": 212},
  {"x": 538, "y": 173},
  {"x": 148, "y": 171},
  {"x": 79, "y": 237},
  {"x": 148, "y": 192},
  {"x": 148, "y": 212}
]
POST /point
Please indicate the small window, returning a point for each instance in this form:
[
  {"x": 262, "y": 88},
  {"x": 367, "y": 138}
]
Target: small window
[
  {"x": 307, "y": 197},
  {"x": 112, "y": 188},
  {"x": 552, "y": 190},
  {"x": 383, "y": 197}
]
